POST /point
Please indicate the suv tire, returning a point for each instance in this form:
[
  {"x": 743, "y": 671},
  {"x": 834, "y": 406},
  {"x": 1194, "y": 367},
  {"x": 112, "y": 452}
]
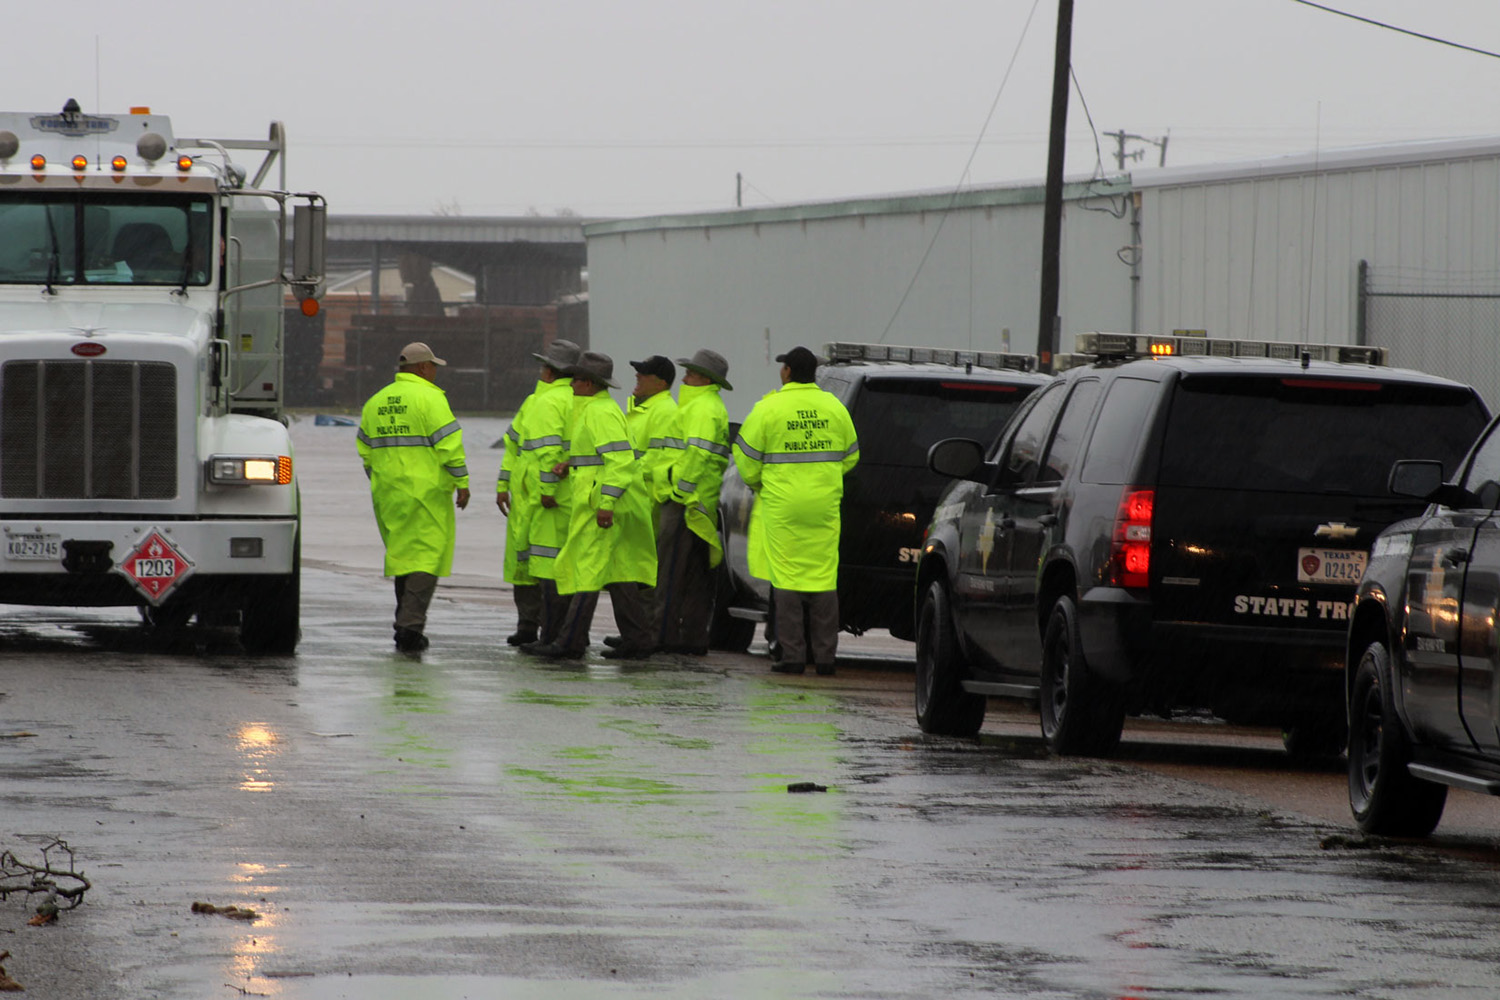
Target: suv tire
[
  {"x": 1081, "y": 712},
  {"x": 943, "y": 706},
  {"x": 1383, "y": 795}
]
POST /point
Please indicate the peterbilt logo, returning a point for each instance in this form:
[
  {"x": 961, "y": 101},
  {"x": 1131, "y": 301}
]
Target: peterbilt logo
[
  {"x": 1338, "y": 531},
  {"x": 89, "y": 349}
]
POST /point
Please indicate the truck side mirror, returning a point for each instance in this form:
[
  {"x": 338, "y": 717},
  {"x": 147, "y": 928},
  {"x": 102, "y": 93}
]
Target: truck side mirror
[
  {"x": 957, "y": 458},
  {"x": 1423, "y": 479},
  {"x": 309, "y": 248}
]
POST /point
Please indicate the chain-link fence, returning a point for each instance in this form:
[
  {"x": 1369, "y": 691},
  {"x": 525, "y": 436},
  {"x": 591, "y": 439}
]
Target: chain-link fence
[{"x": 1443, "y": 322}]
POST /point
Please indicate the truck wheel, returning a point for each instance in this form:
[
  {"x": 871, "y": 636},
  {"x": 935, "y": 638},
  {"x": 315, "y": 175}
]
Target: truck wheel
[
  {"x": 272, "y": 618},
  {"x": 1383, "y": 795},
  {"x": 725, "y": 631},
  {"x": 1081, "y": 712},
  {"x": 943, "y": 706}
]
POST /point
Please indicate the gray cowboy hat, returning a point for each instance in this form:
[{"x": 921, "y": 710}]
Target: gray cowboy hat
[
  {"x": 595, "y": 367},
  {"x": 560, "y": 354},
  {"x": 709, "y": 363}
]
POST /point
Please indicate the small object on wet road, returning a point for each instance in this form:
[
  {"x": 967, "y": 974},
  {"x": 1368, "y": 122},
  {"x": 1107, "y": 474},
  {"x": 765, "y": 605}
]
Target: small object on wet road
[
  {"x": 7, "y": 984},
  {"x": 15, "y": 736},
  {"x": 231, "y": 911},
  {"x": 806, "y": 786}
]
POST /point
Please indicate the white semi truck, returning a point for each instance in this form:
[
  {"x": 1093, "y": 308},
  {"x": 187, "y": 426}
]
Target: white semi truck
[{"x": 144, "y": 458}]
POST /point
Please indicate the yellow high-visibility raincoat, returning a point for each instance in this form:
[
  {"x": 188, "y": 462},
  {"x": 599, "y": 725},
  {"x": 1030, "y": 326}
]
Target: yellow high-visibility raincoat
[
  {"x": 651, "y": 424},
  {"x": 413, "y": 452},
  {"x": 606, "y": 476},
  {"x": 698, "y": 476},
  {"x": 518, "y": 477},
  {"x": 794, "y": 449},
  {"x": 549, "y": 420}
]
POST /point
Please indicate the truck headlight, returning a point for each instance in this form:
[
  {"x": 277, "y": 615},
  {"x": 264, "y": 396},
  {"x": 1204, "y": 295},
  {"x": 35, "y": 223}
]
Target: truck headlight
[{"x": 250, "y": 470}]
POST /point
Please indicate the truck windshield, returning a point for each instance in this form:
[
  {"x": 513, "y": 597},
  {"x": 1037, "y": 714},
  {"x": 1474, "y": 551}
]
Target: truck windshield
[{"x": 72, "y": 238}]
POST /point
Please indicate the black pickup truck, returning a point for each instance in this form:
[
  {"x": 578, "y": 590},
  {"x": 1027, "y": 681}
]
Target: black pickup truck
[{"x": 1423, "y": 662}]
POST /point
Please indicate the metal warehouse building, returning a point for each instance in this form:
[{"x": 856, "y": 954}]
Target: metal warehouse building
[{"x": 1397, "y": 246}]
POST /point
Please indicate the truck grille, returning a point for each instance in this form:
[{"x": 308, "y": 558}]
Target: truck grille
[{"x": 88, "y": 430}]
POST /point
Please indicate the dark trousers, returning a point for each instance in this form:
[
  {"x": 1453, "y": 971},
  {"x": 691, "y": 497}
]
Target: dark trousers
[
  {"x": 631, "y": 617},
  {"x": 554, "y": 607},
  {"x": 807, "y": 626},
  {"x": 529, "y": 608},
  {"x": 684, "y": 582},
  {"x": 413, "y": 594}
]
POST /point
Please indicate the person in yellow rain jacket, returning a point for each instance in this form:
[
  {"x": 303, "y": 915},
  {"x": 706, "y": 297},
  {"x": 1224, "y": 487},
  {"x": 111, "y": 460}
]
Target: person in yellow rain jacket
[
  {"x": 794, "y": 450},
  {"x": 687, "y": 530},
  {"x": 611, "y": 544},
  {"x": 413, "y": 453},
  {"x": 518, "y": 492},
  {"x": 549, "y": 420}
]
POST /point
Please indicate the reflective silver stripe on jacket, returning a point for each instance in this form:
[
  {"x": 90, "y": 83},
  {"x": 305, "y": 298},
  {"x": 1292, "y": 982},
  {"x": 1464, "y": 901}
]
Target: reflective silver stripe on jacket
[
  {"x": 511, "y": 433},
  {"x": 532, "y": 444},
  {"x": 667, "y": 443},
  {"x": 613, "y": 491},
  {"x": 604, "y": 449},
  {"x": 578, "y": 460},
  {"x": 750, "y": 452},
  {"x": 545, "y": 551},
  {"x": 638, "y": 453},
  {"x": 445, "y": 430},
  {"x": 787, "y": 457},
  {"x": 524, "y": 554},
  {"x": 551, "y": 477},
  {"x": 707, "y": 445},
  {"x": 457, "y": 471},
  {"x": 683, "y": 486},
  {"x": 504, "y": 476},
  {"x": 404, "y": 441}
]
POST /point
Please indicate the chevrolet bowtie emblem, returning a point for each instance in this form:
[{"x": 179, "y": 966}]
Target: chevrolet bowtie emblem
[{"x": 1338, "y": 531}]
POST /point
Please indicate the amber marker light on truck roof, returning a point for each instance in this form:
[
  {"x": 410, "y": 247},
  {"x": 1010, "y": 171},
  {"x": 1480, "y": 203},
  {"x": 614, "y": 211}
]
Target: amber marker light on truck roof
[
  {"x": 184, "y": 163},
  {"x": 80, "y": 162},
  {"x": 117, "y": 164},
  {"x": 39, "y": 162}
]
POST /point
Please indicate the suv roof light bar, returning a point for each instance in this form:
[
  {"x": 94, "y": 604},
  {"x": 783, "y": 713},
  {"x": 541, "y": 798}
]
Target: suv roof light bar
[
  {"x": 1093, "y": 346},
  {"x": 841, "y": 351}
]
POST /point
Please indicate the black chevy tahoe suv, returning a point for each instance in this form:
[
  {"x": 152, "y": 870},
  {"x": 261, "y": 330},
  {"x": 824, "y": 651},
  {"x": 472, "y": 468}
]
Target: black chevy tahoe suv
[
  {"x": 1423, "y": 661},
  {"x": 1182, "y": 531},
  {"x": 901, "y": 399}
]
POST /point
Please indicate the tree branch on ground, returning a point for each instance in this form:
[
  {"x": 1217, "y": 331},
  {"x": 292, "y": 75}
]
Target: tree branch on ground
[{"x": 64, "y": 887}]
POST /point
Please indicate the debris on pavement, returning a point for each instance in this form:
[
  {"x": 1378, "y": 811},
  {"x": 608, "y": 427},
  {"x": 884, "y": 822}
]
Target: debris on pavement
[
  {"x": 232, "y": 912},
  {"x": 806, "y": 786},
  {"x": 7, "y": 984}
]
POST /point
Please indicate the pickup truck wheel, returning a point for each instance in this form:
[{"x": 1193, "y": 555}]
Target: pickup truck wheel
[
  {"x": 272, "y": 619},
  {"x": 725, "y": 631},
  {"x": 943, "y": 706},
  {"x": 1383, "y": 795},
  {"x": 1081, "y": 712}
]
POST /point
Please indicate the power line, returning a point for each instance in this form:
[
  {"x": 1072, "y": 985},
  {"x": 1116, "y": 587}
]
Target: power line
[{"x": 1404, "y": 31}]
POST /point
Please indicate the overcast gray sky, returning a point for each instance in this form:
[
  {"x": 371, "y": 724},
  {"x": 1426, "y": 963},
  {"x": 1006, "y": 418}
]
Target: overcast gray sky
[{"x": 645, "y": 107}]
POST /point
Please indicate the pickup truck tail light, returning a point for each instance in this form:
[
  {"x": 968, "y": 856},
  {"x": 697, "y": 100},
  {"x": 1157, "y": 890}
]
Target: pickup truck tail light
[{"x": 1130, "y": 551}]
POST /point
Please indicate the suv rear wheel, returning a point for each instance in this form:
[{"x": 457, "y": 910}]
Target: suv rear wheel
[
  {"x": 1383, "y": 795},
  {"x": 943, "y": 706},
  {"x": 1082, "y": 713}
]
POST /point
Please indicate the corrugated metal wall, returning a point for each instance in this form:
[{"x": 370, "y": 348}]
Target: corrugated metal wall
[{"x": 751, "y": 290}]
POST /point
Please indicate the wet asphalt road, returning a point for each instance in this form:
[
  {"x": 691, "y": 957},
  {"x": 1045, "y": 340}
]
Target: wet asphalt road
[{"x": 474, "y": 824}]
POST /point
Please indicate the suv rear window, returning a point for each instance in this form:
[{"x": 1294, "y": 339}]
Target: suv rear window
[
  {"x": 899, "y": 419},
  {"x": 1305, "y": 433}
]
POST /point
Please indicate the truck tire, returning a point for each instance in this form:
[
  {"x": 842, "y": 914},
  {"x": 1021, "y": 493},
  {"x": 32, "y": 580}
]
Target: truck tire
[
  {"x": 1081, "y": 712},
  {"x": 272, "y": 619},
  {"x": 1383, "y": 795},
  {"x": 943, "y": 706}
]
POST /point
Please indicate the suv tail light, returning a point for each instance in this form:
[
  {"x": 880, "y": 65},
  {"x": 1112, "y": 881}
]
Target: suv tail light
[{"x": 1130, "y": 551}]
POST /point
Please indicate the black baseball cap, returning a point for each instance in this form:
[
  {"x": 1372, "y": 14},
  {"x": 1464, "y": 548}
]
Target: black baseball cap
[
  {"x": 656, "y": 365},
  {"x": 802, "y": 362}
]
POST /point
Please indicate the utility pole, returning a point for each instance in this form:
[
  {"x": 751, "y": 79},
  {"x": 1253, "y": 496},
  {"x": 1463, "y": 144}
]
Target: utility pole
[
  {"x": 739, "y": 190},
  {"x": 1121, "y": 156},
  {"x": 1050, "y": 326}
]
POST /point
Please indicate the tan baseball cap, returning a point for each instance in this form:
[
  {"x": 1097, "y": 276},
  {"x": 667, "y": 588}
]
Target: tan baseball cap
[{"x": 417, "y": 352}]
